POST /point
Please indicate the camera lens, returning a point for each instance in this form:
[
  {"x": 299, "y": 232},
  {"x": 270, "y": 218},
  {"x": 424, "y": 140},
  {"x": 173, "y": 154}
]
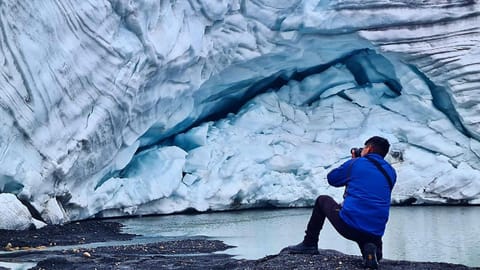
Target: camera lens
[{"x": 356, "y": 152}]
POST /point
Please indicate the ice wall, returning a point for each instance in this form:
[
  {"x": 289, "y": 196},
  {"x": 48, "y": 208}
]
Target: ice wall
[{"x": 84, "y": 85}]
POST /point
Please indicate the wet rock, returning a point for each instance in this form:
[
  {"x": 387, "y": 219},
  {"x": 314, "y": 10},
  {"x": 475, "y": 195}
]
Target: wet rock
[{"x": 195, "y": 253}]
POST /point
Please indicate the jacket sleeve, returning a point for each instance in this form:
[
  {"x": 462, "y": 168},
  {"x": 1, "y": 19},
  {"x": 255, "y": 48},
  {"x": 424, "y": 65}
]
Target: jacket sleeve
[{"x": 340, "y": 176}]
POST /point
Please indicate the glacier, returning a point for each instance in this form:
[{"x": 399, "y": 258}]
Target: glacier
[{"x": 126, "y": 108}]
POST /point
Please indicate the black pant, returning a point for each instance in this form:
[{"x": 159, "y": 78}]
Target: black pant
[{"x": 326, "y": 207}]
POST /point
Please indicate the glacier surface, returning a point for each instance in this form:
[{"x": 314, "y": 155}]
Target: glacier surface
[{"x": 117, "y": 107}]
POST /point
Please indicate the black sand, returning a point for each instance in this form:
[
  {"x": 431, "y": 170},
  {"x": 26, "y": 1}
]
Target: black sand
[{"x": 198, "y": 253}]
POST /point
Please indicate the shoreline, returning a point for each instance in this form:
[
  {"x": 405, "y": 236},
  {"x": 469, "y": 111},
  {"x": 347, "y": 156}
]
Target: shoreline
[{"x": 34, "y": 246}]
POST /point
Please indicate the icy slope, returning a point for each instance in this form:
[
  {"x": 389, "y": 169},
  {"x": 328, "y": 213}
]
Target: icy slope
[{"x": 84, "y": 85}]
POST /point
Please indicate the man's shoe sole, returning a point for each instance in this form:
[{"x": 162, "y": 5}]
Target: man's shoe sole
[
  {"x": 310, "y": 252},
  {"x": 292, "y": 250}
]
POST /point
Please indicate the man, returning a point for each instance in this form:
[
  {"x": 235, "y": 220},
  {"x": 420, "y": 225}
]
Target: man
[{"x": 363, "y": 215}]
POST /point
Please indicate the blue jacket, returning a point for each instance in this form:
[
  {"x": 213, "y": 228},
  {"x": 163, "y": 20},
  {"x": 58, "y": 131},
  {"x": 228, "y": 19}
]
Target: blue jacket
[{"x": 367, "y": 196}]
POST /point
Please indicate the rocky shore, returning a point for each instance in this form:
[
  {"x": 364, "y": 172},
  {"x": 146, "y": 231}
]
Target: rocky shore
[{"x": 198, "y": 253}]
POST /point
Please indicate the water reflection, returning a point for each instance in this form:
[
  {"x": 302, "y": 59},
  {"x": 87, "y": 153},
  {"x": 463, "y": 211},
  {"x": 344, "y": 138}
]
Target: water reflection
[
  {"x": 443, "y": 234},
  {"x": 448, "y": 234}
]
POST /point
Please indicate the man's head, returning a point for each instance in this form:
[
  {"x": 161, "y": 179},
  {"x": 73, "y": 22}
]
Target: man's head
[{"x": 377, "y": 145}]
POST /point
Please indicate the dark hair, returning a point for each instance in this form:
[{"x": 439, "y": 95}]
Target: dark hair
[{"x": 380, "y": 145}]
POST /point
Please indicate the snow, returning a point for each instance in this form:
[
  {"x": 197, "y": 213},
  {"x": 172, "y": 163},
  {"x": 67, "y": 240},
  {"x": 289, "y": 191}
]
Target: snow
[{"x": 130, "y": 108}]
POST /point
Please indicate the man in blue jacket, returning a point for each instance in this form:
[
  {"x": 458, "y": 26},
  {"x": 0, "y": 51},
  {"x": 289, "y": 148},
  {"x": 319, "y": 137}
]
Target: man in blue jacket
[{"x": 363, "y": 215}]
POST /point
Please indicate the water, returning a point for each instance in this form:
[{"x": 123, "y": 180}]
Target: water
[
  {"x": 17, "y": 266},
  {"x": 438, "y": 234}
]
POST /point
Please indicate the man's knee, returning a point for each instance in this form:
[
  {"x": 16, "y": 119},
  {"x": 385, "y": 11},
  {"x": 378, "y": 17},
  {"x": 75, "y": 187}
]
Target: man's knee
[
  {"x": 324, "y": 199},
  {"x": 326, "y": 203}
]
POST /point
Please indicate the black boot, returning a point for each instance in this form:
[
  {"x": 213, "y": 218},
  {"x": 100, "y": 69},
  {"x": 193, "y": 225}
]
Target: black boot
[
  {"x": 301, "y": 248},
  {"x": 369, "y": 253}
]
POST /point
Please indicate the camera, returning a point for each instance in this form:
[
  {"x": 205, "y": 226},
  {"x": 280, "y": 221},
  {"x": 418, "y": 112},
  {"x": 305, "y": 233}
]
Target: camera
[{"x": 356, "y": 152}]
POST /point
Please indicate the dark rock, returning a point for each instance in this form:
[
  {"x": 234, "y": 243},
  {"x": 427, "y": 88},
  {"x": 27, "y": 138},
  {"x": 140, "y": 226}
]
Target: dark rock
[
  {"x": 197, "y": 253},
  {"x": 88, "y": 231}
]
